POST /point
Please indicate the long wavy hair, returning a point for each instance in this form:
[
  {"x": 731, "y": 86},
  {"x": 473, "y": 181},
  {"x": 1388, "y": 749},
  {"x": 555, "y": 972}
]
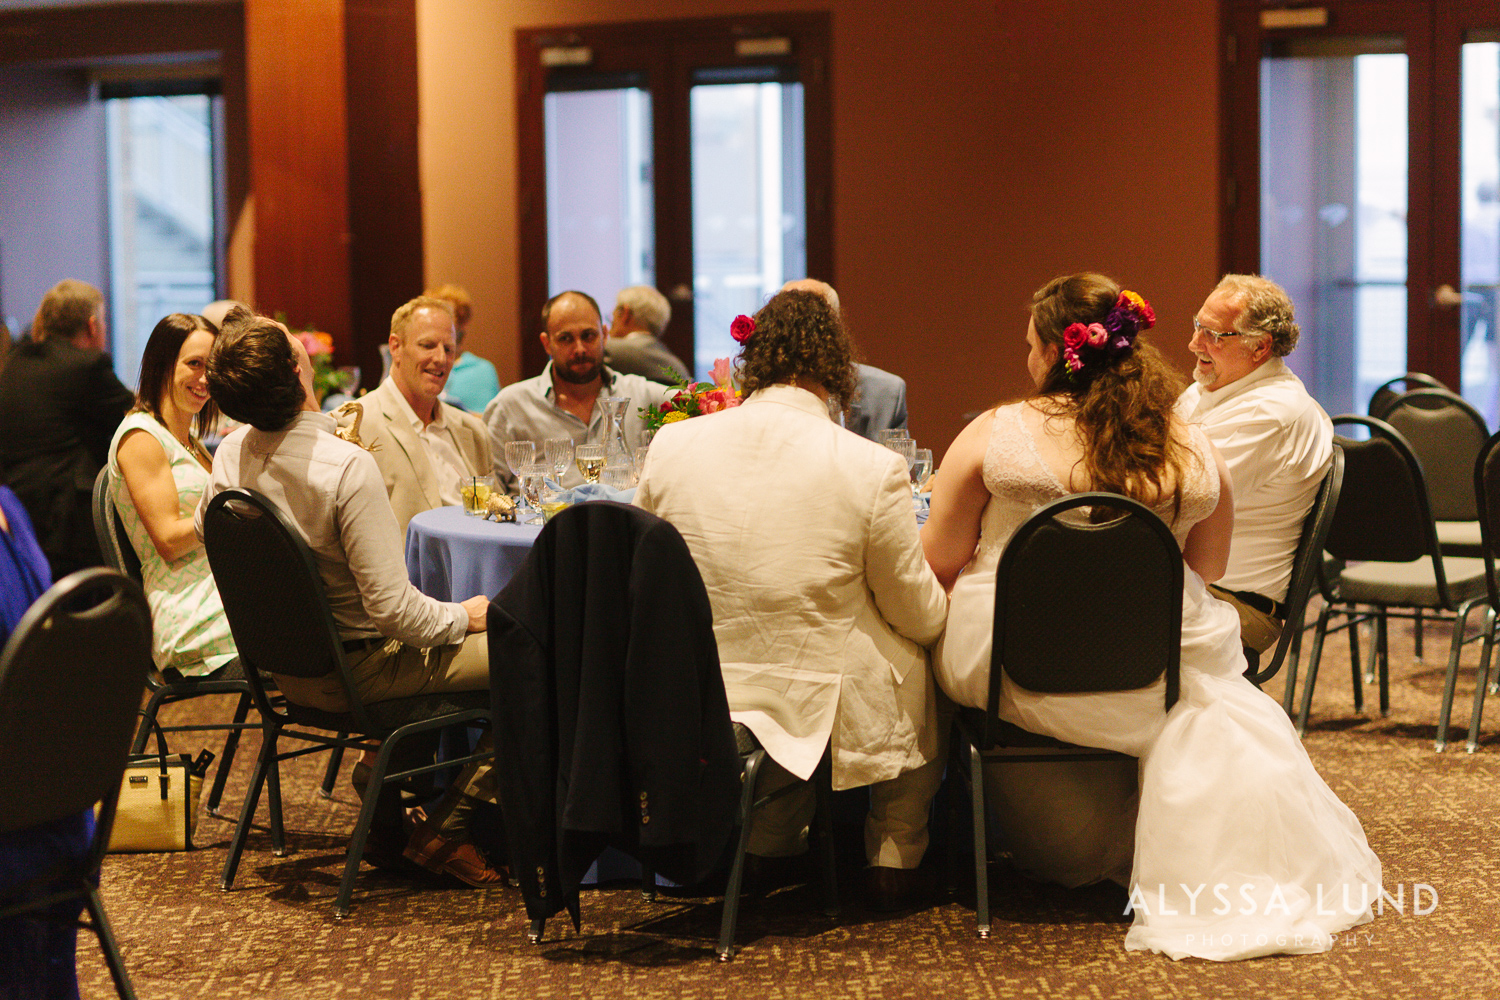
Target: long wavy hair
[{"x": 1121, "y": 406}]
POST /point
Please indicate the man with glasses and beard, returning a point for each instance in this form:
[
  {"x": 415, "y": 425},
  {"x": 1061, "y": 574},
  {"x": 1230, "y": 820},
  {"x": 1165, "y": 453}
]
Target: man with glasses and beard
[
  {"x": 1276, "y": 441},
  {"x": 559, "y": 403}
]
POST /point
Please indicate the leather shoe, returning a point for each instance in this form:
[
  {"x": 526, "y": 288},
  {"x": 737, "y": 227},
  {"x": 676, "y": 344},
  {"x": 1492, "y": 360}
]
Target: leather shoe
[
  {"x": 890, "y": 889},
  {"x": 459, "y": 858},
  {"x": 385, "y": 849}
]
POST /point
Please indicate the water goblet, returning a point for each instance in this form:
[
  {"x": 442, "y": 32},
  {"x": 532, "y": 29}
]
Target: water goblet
[
  {"x": 552, "y": 503},
  {"x": 616, "y": 476},
  {"x": 559, "y": 455},
  {"x": 885, "y": 434},
  {"x": 921, "y": 471},
  {"x": 533, "y": 482},
  {"x": 590, "y": 461},
  {"x": 518, "y": 455}
]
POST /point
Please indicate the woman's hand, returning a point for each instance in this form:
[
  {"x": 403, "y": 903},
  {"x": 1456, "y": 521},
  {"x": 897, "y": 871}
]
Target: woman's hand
[{"x": 153, "y": 492}]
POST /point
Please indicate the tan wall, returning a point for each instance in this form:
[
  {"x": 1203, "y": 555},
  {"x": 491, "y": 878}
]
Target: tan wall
[{"x": 979, "y": 149}]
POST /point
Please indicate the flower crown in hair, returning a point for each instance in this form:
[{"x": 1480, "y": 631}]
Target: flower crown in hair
[
  {"x": 741, "y": 329},
  {"x": 1090, "y": 343}
]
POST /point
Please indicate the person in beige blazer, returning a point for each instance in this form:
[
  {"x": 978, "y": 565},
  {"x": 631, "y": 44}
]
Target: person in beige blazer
[
  {"x": 822, "y": 601},
  {"x": 422, "y": 445}
]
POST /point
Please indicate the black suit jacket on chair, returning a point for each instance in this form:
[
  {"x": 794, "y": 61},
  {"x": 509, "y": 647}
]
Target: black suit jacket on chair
[
  {"x": 612, "y": 728},
  {"x": 59, "y": 407}
]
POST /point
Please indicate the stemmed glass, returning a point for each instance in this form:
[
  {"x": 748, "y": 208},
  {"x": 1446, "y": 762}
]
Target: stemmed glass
[
  {"x": 518, "y": 455},
  {"x": 559, "y": 455},
  {"x": 921, "y": 471},
  {"x": 533, "y": 483},
  {"x": 590, "y": 461}
]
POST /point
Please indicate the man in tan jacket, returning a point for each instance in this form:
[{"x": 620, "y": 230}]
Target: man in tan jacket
[{"x": 423, "y": 446}]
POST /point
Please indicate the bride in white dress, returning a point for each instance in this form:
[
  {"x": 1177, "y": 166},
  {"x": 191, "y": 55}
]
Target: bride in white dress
[{"x": 1234, "y": 847}]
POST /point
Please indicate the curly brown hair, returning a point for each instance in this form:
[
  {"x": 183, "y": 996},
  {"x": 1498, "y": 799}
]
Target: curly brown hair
[
  {"x": 1121, "y": 406},
  {"x": 799, "y": 337}
]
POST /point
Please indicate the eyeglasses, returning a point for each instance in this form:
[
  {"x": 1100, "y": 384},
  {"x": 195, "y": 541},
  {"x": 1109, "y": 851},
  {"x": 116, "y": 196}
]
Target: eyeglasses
[{"x": 1217, "y": 336}]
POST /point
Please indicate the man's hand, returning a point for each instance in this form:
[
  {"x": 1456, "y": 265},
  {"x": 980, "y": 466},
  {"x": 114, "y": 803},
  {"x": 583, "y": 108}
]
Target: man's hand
[{"x": 478, "y": 608}]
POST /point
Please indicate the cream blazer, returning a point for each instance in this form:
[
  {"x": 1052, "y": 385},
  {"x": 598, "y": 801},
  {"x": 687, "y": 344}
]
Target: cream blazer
[
  {"x": 822, "y": 601},
  {"x": 410, "y": 480}
]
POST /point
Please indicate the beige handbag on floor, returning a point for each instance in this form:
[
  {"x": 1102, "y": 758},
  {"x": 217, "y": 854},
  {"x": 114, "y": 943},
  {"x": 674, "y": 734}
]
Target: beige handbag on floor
[{"x": 159, "y": 796}]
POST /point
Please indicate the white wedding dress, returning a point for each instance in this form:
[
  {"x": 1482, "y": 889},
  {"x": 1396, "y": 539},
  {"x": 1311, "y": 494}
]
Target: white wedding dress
[{"x": 1240, "y": 849}]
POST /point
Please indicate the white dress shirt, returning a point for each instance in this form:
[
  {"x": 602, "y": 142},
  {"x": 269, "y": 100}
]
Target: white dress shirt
[
  {"x": 1277, "y": 443},
  {"x": 332, "y": 491},
  {"x": 448, "y": 465}
]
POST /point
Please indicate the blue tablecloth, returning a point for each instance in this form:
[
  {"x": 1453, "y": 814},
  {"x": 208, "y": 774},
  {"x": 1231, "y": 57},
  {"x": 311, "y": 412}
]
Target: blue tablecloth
[{"x": 452, "y": 556}]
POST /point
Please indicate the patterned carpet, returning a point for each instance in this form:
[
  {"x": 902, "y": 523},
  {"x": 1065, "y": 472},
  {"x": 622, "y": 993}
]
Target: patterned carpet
[{"x": 1432, "y": 819}]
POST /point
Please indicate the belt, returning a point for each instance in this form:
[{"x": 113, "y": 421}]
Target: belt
[
  {"x": 1261, "y": 603},
  {"x": 360, "y": 645}
]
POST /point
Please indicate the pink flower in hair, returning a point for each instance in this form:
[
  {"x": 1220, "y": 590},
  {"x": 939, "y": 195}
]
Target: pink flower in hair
[
  {"x": 1097, "y": 335},
  {"x": 1075, "y": 336}
]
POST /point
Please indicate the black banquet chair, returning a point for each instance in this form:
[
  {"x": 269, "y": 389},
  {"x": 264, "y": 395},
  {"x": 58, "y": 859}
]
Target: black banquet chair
[
  {"x": 174, "y": 687},
  {"x": 1383, "y": 530},
  {"x": 612, "y": 723},
  {"x": 1487, "y": 499},
  {"x": 279, "y": 615},
  {"x": 1128, "y": 635},
  {"x": 71, "y": 679},
  {"x": 1384, "y": 395}
]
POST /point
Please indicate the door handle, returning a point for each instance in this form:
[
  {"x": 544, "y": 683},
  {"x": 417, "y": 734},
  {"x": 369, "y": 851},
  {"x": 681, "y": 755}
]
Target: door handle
[
  {"x": 681, "y": 292},
  {"x": 1447, "y": 296}
]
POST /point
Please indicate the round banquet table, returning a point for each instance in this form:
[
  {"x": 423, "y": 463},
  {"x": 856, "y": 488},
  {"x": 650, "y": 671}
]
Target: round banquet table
[{"x": 452, "y": 556}]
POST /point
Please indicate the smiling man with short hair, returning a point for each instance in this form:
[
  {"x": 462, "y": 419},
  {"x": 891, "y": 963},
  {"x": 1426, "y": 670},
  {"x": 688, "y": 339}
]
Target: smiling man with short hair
[{"x": 1276, "y": 441}]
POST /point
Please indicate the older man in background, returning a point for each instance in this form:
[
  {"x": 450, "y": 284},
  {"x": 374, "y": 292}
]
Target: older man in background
[
  {"x": 60, "y": 403},
  {"x": 634, "y": 347},
  {"x": 560, "y": 402},
  {"x": 424, "y": 447},
  {"x": 1276, "y": 441}
]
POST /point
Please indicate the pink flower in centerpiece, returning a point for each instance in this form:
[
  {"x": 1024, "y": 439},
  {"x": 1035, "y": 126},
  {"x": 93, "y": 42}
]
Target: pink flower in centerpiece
[
  {"x": 722, "y": 373},
  {"x": 316, "y": 343},
  {"x": 741, "y": 329}
]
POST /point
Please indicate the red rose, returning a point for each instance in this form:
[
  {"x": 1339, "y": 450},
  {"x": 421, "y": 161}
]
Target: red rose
[
  {"x": 741, "y": 329},
  {"x": 1075, "y": 335}
]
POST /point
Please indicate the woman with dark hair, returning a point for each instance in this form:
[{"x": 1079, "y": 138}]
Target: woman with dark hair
[
  {"x": 1228, "y": 800},
  {"x": 822, "y": 602},
  {"x": 158, "y": 471}
]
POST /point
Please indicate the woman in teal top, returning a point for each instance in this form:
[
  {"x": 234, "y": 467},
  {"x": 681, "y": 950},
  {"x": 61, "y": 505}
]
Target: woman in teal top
[{"x": 158, "y": 471}]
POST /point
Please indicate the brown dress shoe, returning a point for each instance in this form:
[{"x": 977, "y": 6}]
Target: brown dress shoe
[{"x": 459, "y": 858}]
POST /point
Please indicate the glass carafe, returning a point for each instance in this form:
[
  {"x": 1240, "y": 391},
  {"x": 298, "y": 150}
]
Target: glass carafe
[{"x": 612, "y": 429}]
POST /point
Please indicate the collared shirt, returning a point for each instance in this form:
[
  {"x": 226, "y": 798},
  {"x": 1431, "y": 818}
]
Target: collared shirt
[
  {"x": 1277, "y": 443},
  {"x": 333, "y": 493},
  {"x": 447, "y": 463},
  {"x": 527, "y": 411}
]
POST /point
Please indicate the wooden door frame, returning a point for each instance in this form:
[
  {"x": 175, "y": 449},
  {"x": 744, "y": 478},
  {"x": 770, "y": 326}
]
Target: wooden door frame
[{"x": 810, "y": 34}]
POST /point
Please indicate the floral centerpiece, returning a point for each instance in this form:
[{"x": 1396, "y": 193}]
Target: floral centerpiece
[
  {"x": 326, "y": 378},
  {"x": 693, "y": 399}
]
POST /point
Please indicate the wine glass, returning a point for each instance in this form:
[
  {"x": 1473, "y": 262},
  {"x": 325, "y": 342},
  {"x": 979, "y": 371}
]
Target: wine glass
[
  {"x": 616, "y": 476},
  {"x": 533, "y": 482},
  {"x": 559, "y": 455},
  {"x": 590, "y": 461},
  {"x": 885, "y": 434},
  {"x": 905, "y": 447},
  {"x": 921, "y": 471},
  {"x": 518, "y": 455}
]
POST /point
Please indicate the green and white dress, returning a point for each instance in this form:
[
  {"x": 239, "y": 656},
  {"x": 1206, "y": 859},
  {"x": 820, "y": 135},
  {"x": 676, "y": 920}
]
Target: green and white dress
[{"x": 189, "y": 630}]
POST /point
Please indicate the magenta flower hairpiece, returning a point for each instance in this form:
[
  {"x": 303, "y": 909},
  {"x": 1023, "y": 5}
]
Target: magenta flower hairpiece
[
  {"x": 1086, "y": 344},
  {"x": 741, "y": 329}
]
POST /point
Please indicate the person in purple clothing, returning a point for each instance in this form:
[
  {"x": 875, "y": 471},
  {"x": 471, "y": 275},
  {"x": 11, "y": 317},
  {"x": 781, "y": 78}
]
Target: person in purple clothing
[{"x": 37, "y": 951}]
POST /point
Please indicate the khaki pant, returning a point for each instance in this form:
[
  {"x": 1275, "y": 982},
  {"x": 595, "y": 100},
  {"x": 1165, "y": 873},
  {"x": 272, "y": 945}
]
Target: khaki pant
[
  {"x": 1258, "y": 630},
  {"x": 396, "y": 670}
]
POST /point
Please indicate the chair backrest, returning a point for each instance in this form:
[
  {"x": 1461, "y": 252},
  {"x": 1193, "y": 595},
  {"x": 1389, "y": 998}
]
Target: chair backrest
[
  {"x": 1445, "y": 433},
  {"x": 1088, "y": 607},
  {"x": 1306, "y": 562},
  {"x": 1487, "y": 499},
  {"x": 1383, "y": 513},
  {"x": 114, "y": 543},
  {"x": 273, "y": 596},
  {"x": 1381, "y": 398},
  {"x": 71, "y": 678}
]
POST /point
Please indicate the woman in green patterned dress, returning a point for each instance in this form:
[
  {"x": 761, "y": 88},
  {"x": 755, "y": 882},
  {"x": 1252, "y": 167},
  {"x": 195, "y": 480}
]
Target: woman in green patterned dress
[{"x": 158, "y": 471}]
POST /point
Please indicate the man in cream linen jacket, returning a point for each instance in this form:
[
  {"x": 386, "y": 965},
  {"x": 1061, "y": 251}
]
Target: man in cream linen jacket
[
  {"x": 822, "y": 603},
  {"x": 422, "y": 445}
]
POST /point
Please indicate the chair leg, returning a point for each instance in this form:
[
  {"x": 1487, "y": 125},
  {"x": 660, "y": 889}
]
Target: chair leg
[
  {"x": 264, "y": 763},
  {"x": 1481, "y": 682},
  {"x": 1383, "y": 665},
  {"x": 1289, "y": 671},
  {"x": 331, "y": 775},
  {"x": 1450, "y": 681},
  {"x": 737, "y": 867},
  {"x": 361, "y": 830},
  {"x": 648, "y": 884},
  {"x": 1417, "y": 636},
  {"x": 823, "y": 790},
  {"x": 534, "y": 930},
  {"x": 108, "y": 946},
  {"x": 1354, "y": 652},
  {"x": 981, "y": 845},
  {"x": 273, "y": 799},
  {"x": 148, "y": 716},
  {"x": 226, "y": 759},
  {"x": 1313, "y": 658}
]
